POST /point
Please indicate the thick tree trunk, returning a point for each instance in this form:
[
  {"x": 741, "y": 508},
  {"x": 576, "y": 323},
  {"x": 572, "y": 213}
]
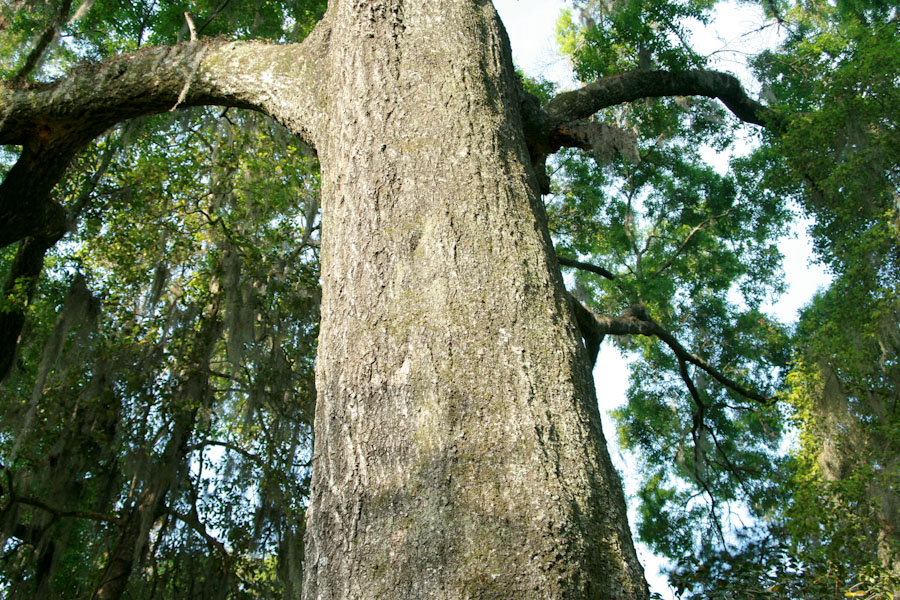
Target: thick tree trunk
[
  {"x": 458, "y": 447},
  {"x": 458, "y": 444}
]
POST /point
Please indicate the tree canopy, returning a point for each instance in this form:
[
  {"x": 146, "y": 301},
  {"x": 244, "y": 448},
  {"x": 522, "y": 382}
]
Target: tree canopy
[
  {"x": 161, "y": 296},
  {"x": 794, "y": 496}
]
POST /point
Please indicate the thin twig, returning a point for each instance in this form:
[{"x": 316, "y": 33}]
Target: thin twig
[{"x": 687, "y": 239}]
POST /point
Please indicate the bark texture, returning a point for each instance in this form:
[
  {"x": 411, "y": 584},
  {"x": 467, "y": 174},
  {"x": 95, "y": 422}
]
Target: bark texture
[{"x": 458, "y": 447}]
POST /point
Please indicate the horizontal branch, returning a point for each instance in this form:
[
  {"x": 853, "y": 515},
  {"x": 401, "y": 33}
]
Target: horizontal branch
[
  {"x": 635, "y": 320},
  {"x": 53, "y": 122},
  {"x": 92, "y": 98},
  {"x": 15, "y": 498},
  {"x": 59, "y": 513},
  {"x": 634, "y": 85},
  {"x": 568, "y": 262}
]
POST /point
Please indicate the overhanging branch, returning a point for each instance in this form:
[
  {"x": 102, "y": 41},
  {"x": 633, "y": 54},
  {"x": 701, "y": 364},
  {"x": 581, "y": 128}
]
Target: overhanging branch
[
  {"x": 635, "y": 320},
  {"x": 627, "y": 87},
  {"x": 561, "y": 123},
  {"x": 575, "y": 264},
  {"x": 53, "y": 122}
]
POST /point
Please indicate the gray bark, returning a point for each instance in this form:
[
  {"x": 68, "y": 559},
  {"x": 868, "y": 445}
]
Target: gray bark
[{"x": 458, "y": 447}]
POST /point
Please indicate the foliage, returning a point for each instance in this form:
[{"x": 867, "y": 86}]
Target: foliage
[
  {"x": 821, "y": 516},
  {"x": 169, "y": 351},
  {"x": 159, "y": 410},
  {"x": 697, "y": 248}
]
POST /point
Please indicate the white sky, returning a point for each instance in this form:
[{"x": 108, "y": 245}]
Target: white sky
[{"x": 531, "y": 25}]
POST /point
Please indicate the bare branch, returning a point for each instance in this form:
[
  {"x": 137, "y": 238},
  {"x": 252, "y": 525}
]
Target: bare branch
[
  {"x": 213, "y": 15},
  {"x": 697, "y": 427},
  {"x": 568, "y": 262},
  {"x": 232, "y": 447}
]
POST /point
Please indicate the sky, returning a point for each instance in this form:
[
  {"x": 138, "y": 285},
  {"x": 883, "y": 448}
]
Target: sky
[{"x": 531, "y": 25}]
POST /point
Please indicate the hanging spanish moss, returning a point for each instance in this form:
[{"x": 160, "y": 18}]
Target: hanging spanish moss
[{"x": 165, "y": 440}]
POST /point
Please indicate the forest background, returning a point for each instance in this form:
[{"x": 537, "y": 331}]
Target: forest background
[
  {"x": 158, "y": 407},
  {"x": 735, "y": 32}
]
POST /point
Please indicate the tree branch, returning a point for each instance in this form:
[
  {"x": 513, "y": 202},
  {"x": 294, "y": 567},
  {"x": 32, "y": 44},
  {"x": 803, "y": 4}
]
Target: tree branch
[
  {"x": 14, "y": 498},
  {"x": 635, "y": 320},
  {"x": 59, "y": 513},
  {"x": 568, "y": 262},
  {"x": 560, "y": 124},
  {"x": 21, "y": 281},
  {"x": 627, "y": 87},
  {"x": 95, "y": 97},
  {"x": 686, "y": 240},
  {"x": 193, "y": 521},
  {"x": 34, "y": 57},
  {"x": 18, "y": 291},
  {"x": 53, "y": 122},
  {"x": 229, "y": 446},
  {"x": 697, "y": 426}
]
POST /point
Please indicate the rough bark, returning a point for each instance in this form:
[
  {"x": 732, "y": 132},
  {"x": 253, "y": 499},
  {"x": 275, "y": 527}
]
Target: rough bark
[{"x": 458, "y": 447}]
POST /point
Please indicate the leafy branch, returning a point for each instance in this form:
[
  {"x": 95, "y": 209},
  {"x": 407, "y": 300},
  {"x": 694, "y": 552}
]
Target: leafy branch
[
  {"x": 636, "y": 320},
  {"x": 57, "y": 513}
]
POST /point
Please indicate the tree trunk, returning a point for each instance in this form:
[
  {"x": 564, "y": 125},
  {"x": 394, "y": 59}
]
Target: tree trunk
[
  {"x": 458, "y": 448},
  {"x": 134, "y": 532},
  {"x": 458, "y": 444}
]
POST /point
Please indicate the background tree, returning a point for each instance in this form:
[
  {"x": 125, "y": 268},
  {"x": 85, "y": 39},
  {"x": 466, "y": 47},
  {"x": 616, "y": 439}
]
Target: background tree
[
  {"x": 163, "y": 419},
  {"x": 823, "y": 514}
]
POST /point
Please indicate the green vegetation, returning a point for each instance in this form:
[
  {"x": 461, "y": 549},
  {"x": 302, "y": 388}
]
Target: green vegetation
[
  {"x": 170, "y": 345},
  {"x": 797, "y": 497},
  {"x": 158, "y": 409}
]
